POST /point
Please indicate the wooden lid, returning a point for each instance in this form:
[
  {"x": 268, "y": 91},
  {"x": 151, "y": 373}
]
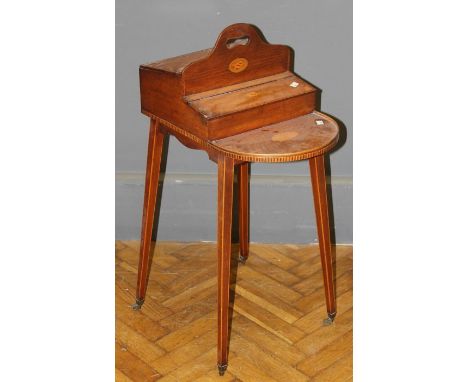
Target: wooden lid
[
  {"x": 177, "y": 64},
  {"x": 232, "y": 99}
]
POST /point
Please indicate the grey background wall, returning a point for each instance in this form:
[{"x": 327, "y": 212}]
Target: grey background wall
[{"x": 281, "y": 198}]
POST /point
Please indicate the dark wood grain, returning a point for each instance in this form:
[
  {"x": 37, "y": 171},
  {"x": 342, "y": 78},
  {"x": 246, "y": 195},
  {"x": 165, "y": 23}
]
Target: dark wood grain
[{"x": 153, "y": 166}]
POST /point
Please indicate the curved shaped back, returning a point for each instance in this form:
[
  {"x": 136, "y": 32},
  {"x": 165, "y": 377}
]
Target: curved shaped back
[{"x": 240, "y": 54}]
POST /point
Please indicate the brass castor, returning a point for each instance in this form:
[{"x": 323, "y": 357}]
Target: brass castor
[
  {"x": 242, "y": 259},
  {"x": 138, "y": 303},
  {"x": 328, "y": 321},
  {"x": 222, "y": 369}
]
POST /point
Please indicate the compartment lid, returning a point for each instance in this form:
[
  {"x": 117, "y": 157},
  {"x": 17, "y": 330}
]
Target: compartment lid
[
  {"x": 219, "y": 102},
  {"x": 177, "y": 64}
]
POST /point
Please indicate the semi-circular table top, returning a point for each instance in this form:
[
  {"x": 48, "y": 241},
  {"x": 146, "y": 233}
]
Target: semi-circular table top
[{"x": 296, "y": 139}]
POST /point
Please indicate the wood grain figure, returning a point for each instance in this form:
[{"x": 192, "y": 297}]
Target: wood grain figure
[{"x": 174, "y": 336}]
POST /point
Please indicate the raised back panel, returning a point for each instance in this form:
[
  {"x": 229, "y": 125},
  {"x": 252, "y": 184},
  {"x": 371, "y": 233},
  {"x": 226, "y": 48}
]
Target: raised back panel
[{"x": 240, "y": 54}]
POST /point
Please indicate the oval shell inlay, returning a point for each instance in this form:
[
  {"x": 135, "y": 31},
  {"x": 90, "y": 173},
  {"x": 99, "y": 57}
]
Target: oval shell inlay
[
  {"x": 286, "y": 136},
  {"x": 238, "y": 65}
]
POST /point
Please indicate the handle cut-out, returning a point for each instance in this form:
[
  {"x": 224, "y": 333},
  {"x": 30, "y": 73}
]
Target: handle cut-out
[
  {"x": 233, "y": 42},
  {"x": 240, "y": 49}
]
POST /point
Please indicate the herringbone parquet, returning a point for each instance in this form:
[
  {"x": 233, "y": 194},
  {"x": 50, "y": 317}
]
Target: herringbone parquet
[{"x": 276, "y": 332}]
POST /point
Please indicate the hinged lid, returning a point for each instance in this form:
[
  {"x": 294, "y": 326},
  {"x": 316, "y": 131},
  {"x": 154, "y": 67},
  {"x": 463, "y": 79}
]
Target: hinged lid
[{"x": 220, "y": 102}]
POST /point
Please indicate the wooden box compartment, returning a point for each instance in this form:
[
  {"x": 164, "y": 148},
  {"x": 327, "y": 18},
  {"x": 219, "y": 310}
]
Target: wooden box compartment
[
  {"x": 241, "y": 84},
  {"x": 253, "y": 104}
]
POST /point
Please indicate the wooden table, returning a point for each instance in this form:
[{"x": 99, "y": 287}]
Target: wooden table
[{"x": 240, "y": 103}]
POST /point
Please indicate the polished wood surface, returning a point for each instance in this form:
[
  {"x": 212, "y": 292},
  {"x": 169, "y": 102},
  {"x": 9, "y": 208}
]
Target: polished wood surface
[
  {"x": 176, "y": 89},
  {"x": 153, "y": 165},
  {"x": 240, "y": 102},
  {"x": 236, "y": 87},
  {"x": 253, "y": 106},
  {"x": 250, "y": 97},
  {"x": 277, "y": 306},
  {"x": 319, "y": 186},
  {"x": 178, "y": 63},
  {"x": 296, "y": 139},
  {"x": 212, "y": 72}
]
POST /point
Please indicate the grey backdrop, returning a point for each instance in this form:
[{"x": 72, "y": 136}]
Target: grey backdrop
[{"x": 320, "y": 32}]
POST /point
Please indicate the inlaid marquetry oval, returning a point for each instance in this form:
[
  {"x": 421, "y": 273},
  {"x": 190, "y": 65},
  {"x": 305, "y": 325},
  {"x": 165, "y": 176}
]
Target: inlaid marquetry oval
[
  {"x": 238, "y": 65},
  {"x": 286, "y": 136}
]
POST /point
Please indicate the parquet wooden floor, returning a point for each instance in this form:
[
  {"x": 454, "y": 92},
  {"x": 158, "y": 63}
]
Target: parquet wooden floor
[{"x": 278, "y": 309}]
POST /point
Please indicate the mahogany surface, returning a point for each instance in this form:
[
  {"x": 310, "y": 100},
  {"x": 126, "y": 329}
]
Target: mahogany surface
[
  {"x": 250, "y": 97},
  {"x": 212, "y": 72},
  {"x": 177, "y": 64},
  {"x": 225, "y": 194},
  {"x": 319, "y": 186},
  {"x": 240, "y": 102},
  {"x": 295, "y": 139},
  {"x": 153, "y": 166},
  {"x": 175, "y": 89}
]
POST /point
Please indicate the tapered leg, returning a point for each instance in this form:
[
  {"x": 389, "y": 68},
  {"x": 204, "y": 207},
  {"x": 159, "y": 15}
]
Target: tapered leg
[
  {"x": 244, "y": 212},
  {"x": 225, "y": 192},
  {"x": 153, "y": 165},
  {"x": 319, "y": 185}
]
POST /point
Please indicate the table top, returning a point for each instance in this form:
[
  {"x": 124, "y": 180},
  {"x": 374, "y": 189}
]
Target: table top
[{"x": 295, "y": 139}]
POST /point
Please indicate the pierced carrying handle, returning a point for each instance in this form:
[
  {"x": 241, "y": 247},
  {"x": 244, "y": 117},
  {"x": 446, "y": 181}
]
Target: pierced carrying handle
[
  {"x": 233, "y": 42},
  {"x": 243, "y": 36},
  {"x": 240, "y": 54}
]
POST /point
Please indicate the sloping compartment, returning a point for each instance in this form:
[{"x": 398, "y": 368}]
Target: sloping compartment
[{"x": 254, "y": 103}]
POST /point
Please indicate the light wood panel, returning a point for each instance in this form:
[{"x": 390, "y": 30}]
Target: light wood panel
[{"x": 278, "y": 309}]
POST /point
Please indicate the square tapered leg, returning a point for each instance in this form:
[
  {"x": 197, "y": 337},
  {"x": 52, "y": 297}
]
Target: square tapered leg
[
  {"x": 319, "y": 185},
  {"x": 244, "y": 211},
  {"x": 153, "y": 166},
  {"x": 225, "y": 196}
]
